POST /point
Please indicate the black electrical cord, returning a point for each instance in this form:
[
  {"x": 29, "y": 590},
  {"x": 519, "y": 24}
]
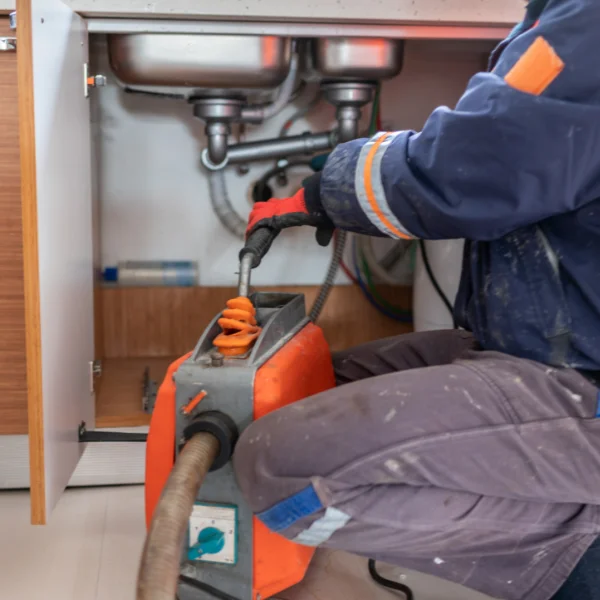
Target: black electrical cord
[
  {"x": 373, "y": 572},
  {"x": 167, "y": 95},
  {"x": 388, "y": 583},
  {"x": 207, "y": 589},
  {"x": 435, "y": 283}
]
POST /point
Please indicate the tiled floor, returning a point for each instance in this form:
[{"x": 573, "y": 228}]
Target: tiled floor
[{"x": 90, "y": 551}]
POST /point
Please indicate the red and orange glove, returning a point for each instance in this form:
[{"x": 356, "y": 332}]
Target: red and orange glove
[{"x": 304, "y": 208}]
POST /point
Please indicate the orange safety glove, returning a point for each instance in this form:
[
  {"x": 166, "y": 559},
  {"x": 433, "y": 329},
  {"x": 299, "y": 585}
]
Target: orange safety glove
[{"x": 304, "y": 208}]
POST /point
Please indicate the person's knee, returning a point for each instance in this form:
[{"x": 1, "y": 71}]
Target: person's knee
[
  {"x": 263, "y": 474},
  {"x": 249, "y": 453},
  {"x": 275, "y": 480}
]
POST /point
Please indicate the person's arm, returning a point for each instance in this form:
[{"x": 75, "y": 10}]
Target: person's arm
[{"x": 503, "y": 159}]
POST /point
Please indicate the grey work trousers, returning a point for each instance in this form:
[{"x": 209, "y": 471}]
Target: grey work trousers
[{"x": 474, "y": 466}]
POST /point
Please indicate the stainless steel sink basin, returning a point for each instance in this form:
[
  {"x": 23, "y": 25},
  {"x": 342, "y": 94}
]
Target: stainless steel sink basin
[
  {"x": 200, "y": 61},
  {"x": 357, "y": 58}
]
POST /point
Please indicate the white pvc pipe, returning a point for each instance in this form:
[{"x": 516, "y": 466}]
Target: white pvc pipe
[{"x": 429, "y": 311}]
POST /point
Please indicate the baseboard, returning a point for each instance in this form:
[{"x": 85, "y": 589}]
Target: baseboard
[{"x": 101, "y": 463}]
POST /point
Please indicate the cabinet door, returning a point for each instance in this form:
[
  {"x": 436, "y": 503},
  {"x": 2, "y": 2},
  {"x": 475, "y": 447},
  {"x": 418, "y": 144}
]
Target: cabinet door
[
  {"x": 13, "y": 393},
  {"x": 56, "y": 195}
]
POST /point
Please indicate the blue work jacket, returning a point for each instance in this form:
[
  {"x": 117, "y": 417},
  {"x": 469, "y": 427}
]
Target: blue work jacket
[{"x": 515, "y": 170}]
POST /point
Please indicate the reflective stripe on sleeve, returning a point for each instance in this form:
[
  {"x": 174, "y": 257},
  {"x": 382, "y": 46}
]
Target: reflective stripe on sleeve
[{"x": 370, "y": 191}]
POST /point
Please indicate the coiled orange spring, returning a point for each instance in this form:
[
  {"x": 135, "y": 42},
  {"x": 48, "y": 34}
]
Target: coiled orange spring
[{"x": 239, "y": 328}]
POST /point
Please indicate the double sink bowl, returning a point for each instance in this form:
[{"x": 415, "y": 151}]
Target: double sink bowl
[{"x": 244, "y": 62}]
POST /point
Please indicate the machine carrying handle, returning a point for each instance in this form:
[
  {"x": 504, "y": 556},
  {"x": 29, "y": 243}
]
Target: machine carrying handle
[{"x": 258, "y": 244}]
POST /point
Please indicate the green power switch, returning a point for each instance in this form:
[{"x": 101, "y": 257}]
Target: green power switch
[{"x": 210, "y": 541}]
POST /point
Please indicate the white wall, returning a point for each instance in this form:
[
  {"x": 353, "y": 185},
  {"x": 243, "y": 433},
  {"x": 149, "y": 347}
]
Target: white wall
[{"x": 153, "y": 192}]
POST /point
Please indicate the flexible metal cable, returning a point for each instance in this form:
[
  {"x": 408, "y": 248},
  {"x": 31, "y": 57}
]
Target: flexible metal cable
[{"x": 334, "y": 265}]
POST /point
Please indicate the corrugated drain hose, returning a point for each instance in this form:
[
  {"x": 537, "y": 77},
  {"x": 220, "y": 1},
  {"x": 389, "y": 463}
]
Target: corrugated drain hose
[
  {"x": 222, "y": 206},
  {"x": 161, "y": 557}
]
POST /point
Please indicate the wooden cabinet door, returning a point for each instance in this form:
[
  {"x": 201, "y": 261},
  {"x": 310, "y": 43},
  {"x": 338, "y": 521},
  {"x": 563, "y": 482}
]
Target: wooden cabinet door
[
  {"x": 54, "y": 123},
  {"x": 13, "y": 391}
]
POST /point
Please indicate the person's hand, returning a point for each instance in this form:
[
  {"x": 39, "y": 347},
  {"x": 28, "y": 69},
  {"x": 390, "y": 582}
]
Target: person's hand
[{"x": 304, "y": 208}]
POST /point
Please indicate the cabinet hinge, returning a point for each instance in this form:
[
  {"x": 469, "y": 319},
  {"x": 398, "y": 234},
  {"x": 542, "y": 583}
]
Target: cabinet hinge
[
  {"x": 8, "y": 44},
  {"x": 95, "y": 371},
  {"x": 91, "y": 81},
  {"x": 149, "y": 392}
]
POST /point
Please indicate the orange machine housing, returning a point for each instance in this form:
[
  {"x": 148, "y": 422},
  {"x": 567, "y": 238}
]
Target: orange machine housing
[{"x": 301, "y": 368}]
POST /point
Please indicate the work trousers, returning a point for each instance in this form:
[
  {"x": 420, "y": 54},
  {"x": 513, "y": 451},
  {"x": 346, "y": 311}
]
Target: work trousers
[{"x": 474, "y": 466}]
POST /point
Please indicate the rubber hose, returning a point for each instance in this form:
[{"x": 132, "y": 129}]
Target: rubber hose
[
  {"x": 161, "y": 557},
  {"x": 222, "y": 206},
  {"x": 336, "y": 259},
  {"x": 263, "y": 182}
]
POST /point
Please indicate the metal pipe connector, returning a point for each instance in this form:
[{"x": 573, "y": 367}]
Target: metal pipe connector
[
  {"x": 349, "y": 98},
  {"x": 348, "y": 118},
  {"x": 306, "y": 144},
  {"x": 217, "y": 137},
  {"x": 218, "y": 114}
]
